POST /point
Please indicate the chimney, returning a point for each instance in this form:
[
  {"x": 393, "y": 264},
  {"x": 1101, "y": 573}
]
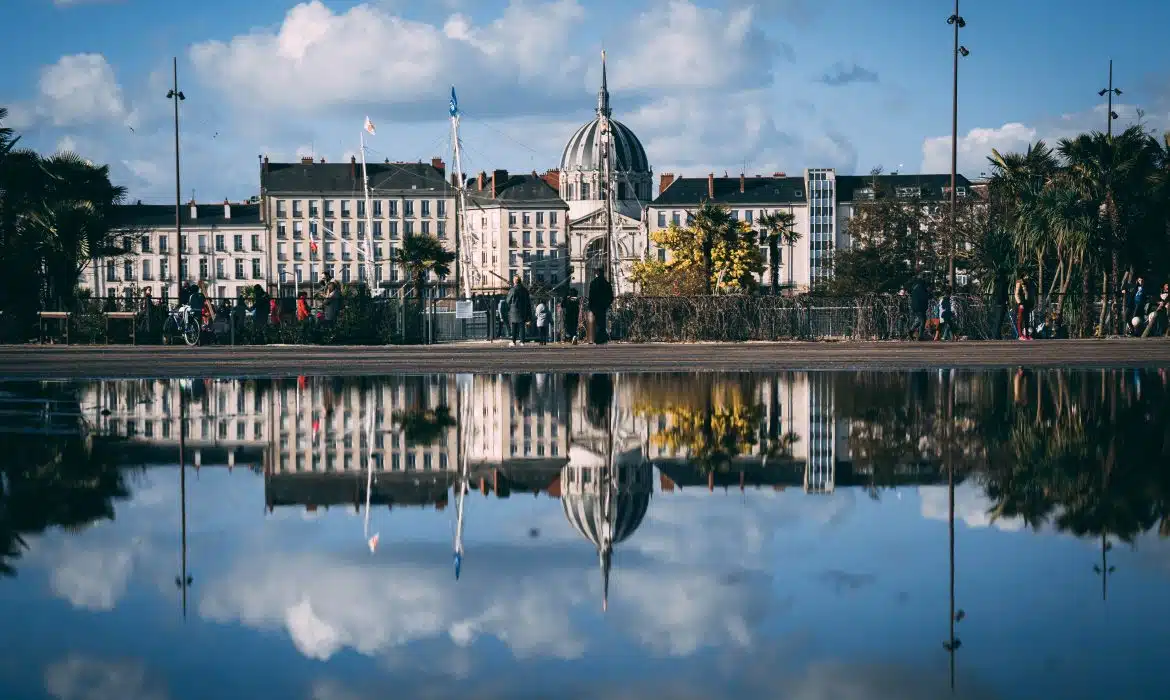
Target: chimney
[
  {"x": 322, "y": 159},
  {"x": 479, "y": 181},
  {"x": 194, "y": 210},
  {"x": 665, "y": 180},
  {"x": 264, "y": 166},
  {"x": 227, "y": 209},
  {"x": 553, "y": 179},
  {"x": 438, "y": 164},
  {"x": 711, "y": 185},
  {"x": 454, "y": 179},
  {"x": 306, "y": 160},
  {"x": 499, "y": 177},
  {"x": 742, "y": 183},
  {"x": 353, "y": 167},
  {"x": 779, "y": 174}
]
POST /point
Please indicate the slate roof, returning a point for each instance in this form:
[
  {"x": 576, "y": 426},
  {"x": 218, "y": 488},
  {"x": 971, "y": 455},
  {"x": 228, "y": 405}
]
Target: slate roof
[
  {"x": 528, "y": 190},
  {"x": 163, "y": 216},
  {"x": 933, "y": 186},
  {"x": 769, "y": 191},
  {"x": 346, "y": 178}
]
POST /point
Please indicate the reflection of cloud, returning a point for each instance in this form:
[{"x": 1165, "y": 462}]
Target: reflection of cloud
[
  {"x": 82, "y": 678},
  {"x": 91, "y": 574},
  {"x": 971, "y": 507},
  {"x": 327, "y": 603}
]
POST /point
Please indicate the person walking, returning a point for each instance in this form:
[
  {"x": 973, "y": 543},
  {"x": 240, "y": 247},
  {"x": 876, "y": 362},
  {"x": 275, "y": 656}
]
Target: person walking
[
  {"x": 600, "y": 299},
  {"x": 519, "y": 303},
  {"x": 332, "y": 301},
  {"x": 502, "y": 318},
  {"x": 302, "y": 306},
  {"x": 541, "y": 323},
  {"x": 570, "y": 316},
  {"x": 919, "y": 302},
  {"x": 1025, "y": 297}
]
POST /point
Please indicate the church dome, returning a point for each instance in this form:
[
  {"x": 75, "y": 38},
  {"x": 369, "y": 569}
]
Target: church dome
[{"x": 583, "y": 152}]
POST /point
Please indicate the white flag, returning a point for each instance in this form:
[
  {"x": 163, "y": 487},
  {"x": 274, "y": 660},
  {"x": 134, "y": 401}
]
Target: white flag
[{"x": 369, "y": 126}]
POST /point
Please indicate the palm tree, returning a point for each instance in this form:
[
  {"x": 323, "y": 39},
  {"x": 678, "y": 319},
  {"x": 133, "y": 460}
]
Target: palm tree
[
  {"x": 1017, "y": 181},
  {"x": 778, "y": 228},
  {"x": 421, "y": 256},
  {"x": 712, "y": 223}
]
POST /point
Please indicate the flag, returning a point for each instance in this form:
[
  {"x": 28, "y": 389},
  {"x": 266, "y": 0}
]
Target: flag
[
  {"x": 454, "y": 103},
  {"x": 373, "y": 543},
  {"x": 369, "y": 126}
]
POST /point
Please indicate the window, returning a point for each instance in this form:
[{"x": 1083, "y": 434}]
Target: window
[
  {"x": 345, "y": 274},
  {"x": 426, "y": 207},
  {"x": 408, "y": 228},
  {"x": 361, "y": 207},
  {"x": 146, "y": 270},
  {"x": 552, "y": 238},
  {"x": 280, "y": 211},
  {"x": 239, "y": 269},
  {"x": 329, "y": 208},
  {"x": 220, "y": 246},
  {"x": 361, "y": 229},
  {"x": 345, "y": 232},
  {"x": 238, "y": 243},
  {"x": 183, "y": 243},
  {"x": 282, "y": 271},
  {"x": 674, "y": 218},
  {"x": 255, "y": 268},
  {"x": 203, "y": 268},
  {"x": 540, "y": 238},
  {"x": 662, "y": 255},
  {"x": 441, "y": 206},
  {"x": 220, "y": 273},
  {"x": 162, "y": 244},
  {"x": 552, "y": 218},
  {"x": 145, "y": 244},
  {"x": 584, "y": 190},
  {"x": 442, "y": 225},
  {"x": 281, "y": 230},
  {"x": 313, "y": 209},
  {"x": 255, "y": 241},
  {"x": 747, "y": 216},
  {"x": 298, "y": 253},
  {"x": 512, "y": 239},
  {"x": 393, "y": 207},
  {"x": 313, "y": 229},
  {"x": 408, "y": 207},
  {"x": 511, "y": 218},
  {"x": 661, "y": 219},
  {"x": 394, "y": 229},
  {"x": 345, "y": 209},
  {"x": 296, "y": 208},
  {"x": 377, "y": 207},
  {"x": 162, "y": 269},
  {"x": 527, "y": 238},
  {"x": 540, "y": 218},
  {"x": 527, "y": 219},
  {"x": 298, "y": 229},
  {"x": 426, "y": 227}
]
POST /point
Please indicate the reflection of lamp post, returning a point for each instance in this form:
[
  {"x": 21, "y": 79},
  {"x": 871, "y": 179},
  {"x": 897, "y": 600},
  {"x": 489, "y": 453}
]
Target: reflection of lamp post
[
  {"x": 183, "y": 581},
  {"x": 953, "y": 643},
  {"x": 1104, "y": 569}
]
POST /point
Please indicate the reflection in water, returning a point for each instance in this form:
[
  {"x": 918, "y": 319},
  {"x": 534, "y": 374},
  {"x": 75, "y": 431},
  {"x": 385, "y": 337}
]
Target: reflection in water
[{"x": 1082, "y": 454}]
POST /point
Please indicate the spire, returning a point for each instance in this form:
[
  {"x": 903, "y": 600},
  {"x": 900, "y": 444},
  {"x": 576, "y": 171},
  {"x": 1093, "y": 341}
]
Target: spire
[
  {"x": 603, "y": 94},
  {"x": 606, "y": 553}
]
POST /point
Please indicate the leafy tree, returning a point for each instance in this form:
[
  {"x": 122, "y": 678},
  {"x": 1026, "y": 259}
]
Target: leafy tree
[
  {"x": 717, "y": 248},
  {"x": 420, "y": 257},
  {"x": 776, "y": 229}
]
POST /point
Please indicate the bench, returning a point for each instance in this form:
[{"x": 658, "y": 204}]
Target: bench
[
  {"x": 53, "y": 316},
  {"x": 131, "y": 316}
]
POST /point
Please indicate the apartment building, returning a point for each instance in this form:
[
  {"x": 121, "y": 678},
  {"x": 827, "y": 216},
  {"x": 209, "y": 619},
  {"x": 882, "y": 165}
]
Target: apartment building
[
  {"x": 821, "y": 202},
  {"x": 224, "y": 245},
  {"x": 315, "y": 215},
  {"x": 517, "y": 225}
]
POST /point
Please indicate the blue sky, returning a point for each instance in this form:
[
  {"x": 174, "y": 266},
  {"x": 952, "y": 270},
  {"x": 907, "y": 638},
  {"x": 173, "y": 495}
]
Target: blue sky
[{"x": 708, "y": 85}]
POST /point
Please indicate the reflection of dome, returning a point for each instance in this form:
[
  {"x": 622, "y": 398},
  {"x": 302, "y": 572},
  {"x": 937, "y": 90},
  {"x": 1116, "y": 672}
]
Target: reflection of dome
[
  {"x": 583, "y": 152},
  {"x": 605, "y": 505}
]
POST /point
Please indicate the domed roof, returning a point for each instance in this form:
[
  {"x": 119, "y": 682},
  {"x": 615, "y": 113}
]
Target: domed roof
[
  {"x": 583, "y": 152},
  {"x": 585, "y": 504}
]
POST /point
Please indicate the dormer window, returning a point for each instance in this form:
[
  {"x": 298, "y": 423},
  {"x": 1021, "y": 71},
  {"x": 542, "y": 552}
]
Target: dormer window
[
  {"x": 961, "y": 191},
  {"x": 799, "y": 194},
  {"x": 907, "y": 192},
  {"x": 864, "y": 193}
]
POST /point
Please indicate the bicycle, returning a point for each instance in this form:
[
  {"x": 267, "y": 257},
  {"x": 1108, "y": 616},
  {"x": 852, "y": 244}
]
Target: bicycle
[{"x": 180, "y": 322}]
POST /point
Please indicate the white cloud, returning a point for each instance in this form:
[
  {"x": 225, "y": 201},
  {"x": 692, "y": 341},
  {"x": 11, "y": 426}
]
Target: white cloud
[
  {"x": 84, "y": 678},
  {"x": 367, "y": 55},
  {"x": 67, "y": 145},
  {"x": 81, "y": 89},
  {"x": 91, "y": 576},
  {"x": 974, "y": 147},
  {"x": 971, "y": 507}
]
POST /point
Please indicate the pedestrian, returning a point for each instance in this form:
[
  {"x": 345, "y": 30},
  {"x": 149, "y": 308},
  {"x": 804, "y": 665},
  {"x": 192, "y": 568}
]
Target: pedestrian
[
  {"x": 570, "y": 316},
  {"x": 600, "y": 299},
  {"x": 302, "y": 306},
  {"x": 332, "y": 301},
  {"x": 1156, "y": 321},
  {"x": 541, "y": 323},
  {"x": 1025, "y": 297},
  {"x": 919, "y": 301},
  {"x": 263, "y": 307},
  {"x": 502, "y": 317},
  {"x": 945, "y": 319},
  {"x": 519, "y": 303}
]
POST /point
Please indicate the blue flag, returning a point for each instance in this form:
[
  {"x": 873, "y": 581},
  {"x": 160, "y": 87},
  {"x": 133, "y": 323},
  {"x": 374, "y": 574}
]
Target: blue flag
[{"x": 454, "y": 102}]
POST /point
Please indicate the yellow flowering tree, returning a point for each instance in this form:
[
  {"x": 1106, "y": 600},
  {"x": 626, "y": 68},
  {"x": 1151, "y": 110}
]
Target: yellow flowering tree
[{"x": 715, "y": 253}]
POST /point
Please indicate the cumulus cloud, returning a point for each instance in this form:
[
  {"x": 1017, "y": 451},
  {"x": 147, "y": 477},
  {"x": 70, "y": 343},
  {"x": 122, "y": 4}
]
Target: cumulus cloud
[
  {"x": 839, "y": 75},
  {"x": 80, "y": 89},
  {"x": 89, "y": 577},
  {"x": 971, "y": 507},
  {"x": 367, "y": 55},
  {"x": 86, "y": 678}
]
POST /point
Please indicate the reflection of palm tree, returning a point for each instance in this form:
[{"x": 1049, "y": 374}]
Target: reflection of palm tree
[{"x": 424, "y": 427}]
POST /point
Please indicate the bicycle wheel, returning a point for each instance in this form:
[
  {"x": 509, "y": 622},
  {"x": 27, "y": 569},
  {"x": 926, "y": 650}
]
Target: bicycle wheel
[{"x": 191, "y": 332}]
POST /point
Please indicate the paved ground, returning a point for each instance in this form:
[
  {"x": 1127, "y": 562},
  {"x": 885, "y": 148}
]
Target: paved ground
[{"x": 124, "y": 361}]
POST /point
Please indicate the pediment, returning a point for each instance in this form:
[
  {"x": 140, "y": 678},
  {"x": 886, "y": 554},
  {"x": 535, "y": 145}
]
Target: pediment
[{"x": 596, "y": 219}]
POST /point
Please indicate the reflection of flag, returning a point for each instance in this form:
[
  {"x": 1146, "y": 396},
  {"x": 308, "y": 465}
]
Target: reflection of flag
[
  {"x": 369, "y": 126},
  {"x": 454, "y": 103},
  {"x": 373, "y": 543}
]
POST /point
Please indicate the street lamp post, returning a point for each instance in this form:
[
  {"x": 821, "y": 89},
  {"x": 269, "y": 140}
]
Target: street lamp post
[
  {"x": 176, "y": 96},
  {"x": 958, "y": 23},
  {"x": 1110, "y": 115}
]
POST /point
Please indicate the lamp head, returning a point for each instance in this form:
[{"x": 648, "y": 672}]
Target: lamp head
[
  {"x": 1102, "y": 92},
  {"x": 963, "y": 51}
]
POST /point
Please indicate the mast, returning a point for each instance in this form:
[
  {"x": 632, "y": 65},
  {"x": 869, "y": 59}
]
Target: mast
[
  {"x": 461, "y": 250},
  {"x": 372, "y": 542},
  {"x": 603, "y": 114},
  {"x": 368, "y": 240}
]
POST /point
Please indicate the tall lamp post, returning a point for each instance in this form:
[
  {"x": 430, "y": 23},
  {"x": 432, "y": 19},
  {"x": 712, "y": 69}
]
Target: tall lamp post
[
  {"x": 176, "y": 96},
  {"x": 958, "y": 23},
  {"x": 1110, "y": 91}
]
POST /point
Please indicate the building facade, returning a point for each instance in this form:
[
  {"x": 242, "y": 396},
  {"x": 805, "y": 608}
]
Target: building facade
[
  {"x": 315, "y": 216},
  {"x": 224, "y": 245},
  {"x": 820, "y": 201}
]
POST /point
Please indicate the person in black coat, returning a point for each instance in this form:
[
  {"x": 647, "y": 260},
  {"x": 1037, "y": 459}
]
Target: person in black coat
[
  {"x": 519, "y": 309},
  {"x": 919, "y": 302},
  {"x": 600, "y": 299},
  {"x": 570, "y": 316}
]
